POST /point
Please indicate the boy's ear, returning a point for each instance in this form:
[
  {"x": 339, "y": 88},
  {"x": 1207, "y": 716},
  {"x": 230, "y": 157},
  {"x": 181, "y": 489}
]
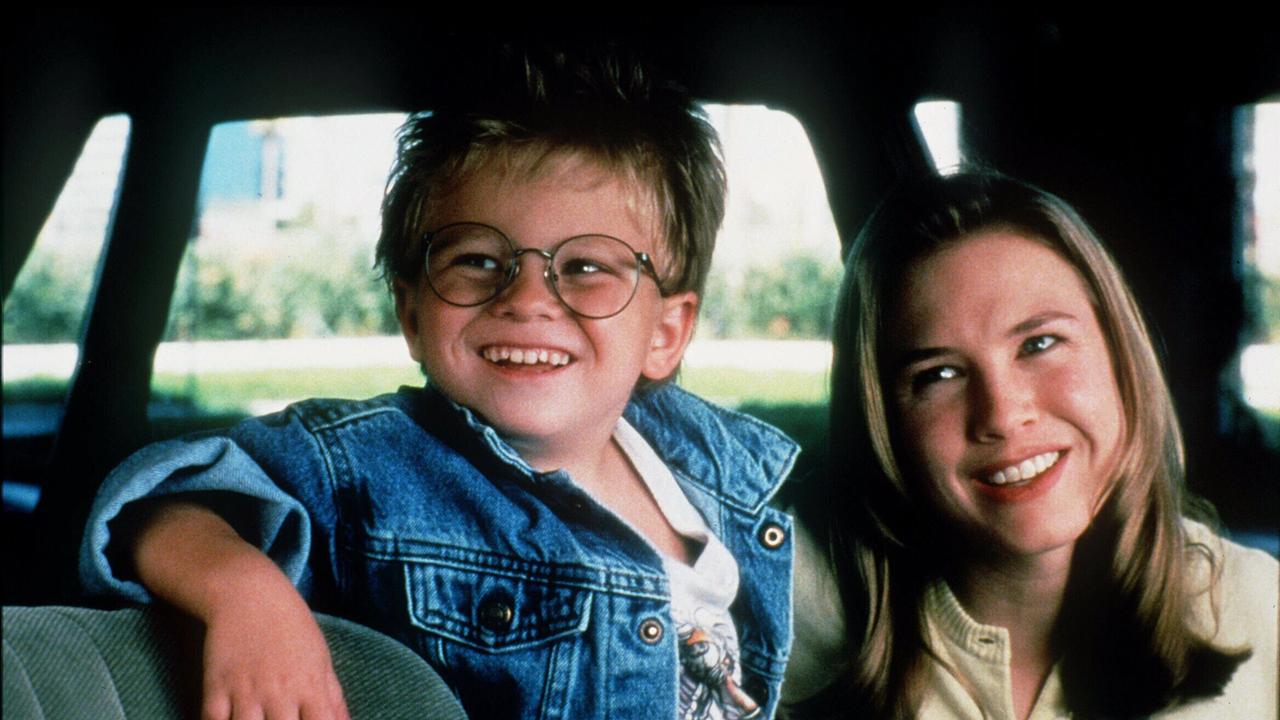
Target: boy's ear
[
  {"x": 406, "y": 297},
  {"x": 671, "y": 335}
]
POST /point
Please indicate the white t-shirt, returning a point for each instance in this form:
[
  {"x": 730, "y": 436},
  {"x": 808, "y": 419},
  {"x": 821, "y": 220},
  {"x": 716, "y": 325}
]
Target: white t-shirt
[{"x": 700, "y": 596}]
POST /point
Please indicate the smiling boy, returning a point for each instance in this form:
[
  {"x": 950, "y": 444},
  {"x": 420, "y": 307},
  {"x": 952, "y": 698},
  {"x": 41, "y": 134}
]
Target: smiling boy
[{"x": 551, "y": 525}]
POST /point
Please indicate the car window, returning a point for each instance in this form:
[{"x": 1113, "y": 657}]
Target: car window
[
  {"x": 764, "y": 325},
  {"x": 277, "y": 299},
  {"x": 939, "y": 123},
  {"x": 44, "y": 312},
  {"x": 1258, "y": 177}
]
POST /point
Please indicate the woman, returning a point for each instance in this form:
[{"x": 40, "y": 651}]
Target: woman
[{"x": 1010, "y": 532}]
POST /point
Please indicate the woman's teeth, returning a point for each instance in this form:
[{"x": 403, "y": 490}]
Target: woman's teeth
[
  {"x": 1024, "y": 470},
  {"x": 525, "y": 356}
]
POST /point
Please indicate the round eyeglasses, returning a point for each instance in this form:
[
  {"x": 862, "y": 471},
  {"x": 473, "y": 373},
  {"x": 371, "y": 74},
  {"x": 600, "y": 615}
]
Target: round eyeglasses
[{"x": 595, "y": 276}]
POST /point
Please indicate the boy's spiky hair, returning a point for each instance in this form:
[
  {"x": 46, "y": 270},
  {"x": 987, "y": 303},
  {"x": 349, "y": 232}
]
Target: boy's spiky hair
[{"x": 601, "y": 104}]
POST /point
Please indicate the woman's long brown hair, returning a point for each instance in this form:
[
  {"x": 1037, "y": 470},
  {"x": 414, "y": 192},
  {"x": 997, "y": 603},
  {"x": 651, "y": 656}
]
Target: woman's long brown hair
[{"x": 1127, "y": 646}]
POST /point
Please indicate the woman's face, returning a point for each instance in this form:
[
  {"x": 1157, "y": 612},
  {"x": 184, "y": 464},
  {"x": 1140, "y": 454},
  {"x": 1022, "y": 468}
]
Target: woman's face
[{"x": 1007, "y": 408}]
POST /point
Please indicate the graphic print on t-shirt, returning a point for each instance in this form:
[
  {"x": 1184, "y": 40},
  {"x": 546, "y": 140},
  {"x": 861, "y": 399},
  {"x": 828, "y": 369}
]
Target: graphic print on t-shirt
[
  {"x": 701, "y": 595},
  {"x": 709, "y": 673}
]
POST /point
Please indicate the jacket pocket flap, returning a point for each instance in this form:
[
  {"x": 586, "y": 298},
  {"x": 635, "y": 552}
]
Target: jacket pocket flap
[{"x": 494, "y": 611}]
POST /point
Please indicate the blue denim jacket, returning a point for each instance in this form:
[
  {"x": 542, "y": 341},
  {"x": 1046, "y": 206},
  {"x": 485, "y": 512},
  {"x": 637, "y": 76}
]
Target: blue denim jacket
[{"x": 409, "y": 514}]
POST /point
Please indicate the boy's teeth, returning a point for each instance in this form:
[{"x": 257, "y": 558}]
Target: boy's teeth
[
  {"x": 1024, "y": 470},
  {"x": 525, "y": 356}
]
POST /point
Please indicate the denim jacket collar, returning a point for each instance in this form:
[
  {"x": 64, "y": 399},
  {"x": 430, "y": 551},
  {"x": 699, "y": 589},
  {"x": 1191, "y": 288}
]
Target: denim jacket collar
[
  {"x": 731, "y": 456},
  {"x": 734, "y": 457}
]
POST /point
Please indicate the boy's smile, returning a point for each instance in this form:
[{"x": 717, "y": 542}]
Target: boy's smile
[
  {"x": 507, "y": 356},
  {"x": 553, "y": 383}
]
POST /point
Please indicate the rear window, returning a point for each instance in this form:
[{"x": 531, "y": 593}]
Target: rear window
[
  {"x": 277, "y": 299},
  {"x": 45, "y": 310}
]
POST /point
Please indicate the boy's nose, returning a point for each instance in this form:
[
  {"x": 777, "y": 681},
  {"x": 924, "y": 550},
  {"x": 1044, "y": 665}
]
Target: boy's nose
[
  {"x": 1000, "y": 406},
  {"x": 530, "y": 293}
]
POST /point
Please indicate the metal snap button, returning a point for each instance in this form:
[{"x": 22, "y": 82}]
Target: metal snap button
[
  {"x": 772, "y": 536},
  {"x": 651, "y": 631},
  {"x": 496, "y": 614}
]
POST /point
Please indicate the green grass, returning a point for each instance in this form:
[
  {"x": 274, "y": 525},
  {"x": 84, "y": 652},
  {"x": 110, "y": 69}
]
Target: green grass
[
  {"x": 36, "y": 390},
  {"x": 234, "y": 391},
  {"x": 734, "y": 387}
]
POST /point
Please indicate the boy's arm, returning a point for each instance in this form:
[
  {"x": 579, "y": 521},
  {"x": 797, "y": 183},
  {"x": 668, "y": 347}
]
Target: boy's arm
[
  {"x": 264, "y": 655},
  {"x": 154, "y": 520},
  {"x": 218, "y": 472}
]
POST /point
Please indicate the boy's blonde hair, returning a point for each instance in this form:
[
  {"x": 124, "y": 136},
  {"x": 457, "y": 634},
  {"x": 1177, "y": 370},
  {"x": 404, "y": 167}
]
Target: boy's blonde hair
[{"x": 605, "y": 107}]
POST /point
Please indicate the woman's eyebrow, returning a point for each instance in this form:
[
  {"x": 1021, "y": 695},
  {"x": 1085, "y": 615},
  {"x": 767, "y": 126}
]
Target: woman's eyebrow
[
  {"x": 911, "y": 357},
  {"x": 1038, "y": 320}
]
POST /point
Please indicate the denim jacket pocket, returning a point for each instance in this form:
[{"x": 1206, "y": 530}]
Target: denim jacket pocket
[
  {"x": 498, "y": 632},
  {"x": 495, "y": 612}
]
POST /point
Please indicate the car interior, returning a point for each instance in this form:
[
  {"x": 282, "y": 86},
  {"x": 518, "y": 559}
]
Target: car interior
[{"x": 1145, "y": 123}]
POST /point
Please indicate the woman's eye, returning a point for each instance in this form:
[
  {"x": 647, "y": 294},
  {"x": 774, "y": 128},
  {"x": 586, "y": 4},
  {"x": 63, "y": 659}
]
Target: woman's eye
[
  {"x": 932, "y": 376},
  {"x": 1038, "y": 344}
]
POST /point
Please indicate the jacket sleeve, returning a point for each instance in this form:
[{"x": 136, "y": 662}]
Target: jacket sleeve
[{"x": 215, "y": 467}]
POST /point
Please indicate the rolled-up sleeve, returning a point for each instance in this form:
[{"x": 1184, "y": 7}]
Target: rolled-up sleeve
[{"x": 265, "y": 515}]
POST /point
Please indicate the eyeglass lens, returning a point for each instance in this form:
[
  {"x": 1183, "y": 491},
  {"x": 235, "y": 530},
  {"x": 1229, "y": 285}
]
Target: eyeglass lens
[{"x": 593, "y": 275}]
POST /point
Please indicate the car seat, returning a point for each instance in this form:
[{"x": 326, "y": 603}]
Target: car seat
[{"x": 68, "y": 662}]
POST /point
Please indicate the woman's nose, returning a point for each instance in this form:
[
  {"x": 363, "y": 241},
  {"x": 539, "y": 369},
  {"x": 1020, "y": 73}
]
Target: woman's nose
[
  {"x": 530, "y": 293},
  {"x": 1000, "y": 405}
]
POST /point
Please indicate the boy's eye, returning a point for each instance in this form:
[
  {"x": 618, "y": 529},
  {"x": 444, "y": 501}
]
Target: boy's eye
[
  {"x": 1038, "y": 344},
  {"x": 476, "y": 261},
  {"x": 583, "y": 266}
]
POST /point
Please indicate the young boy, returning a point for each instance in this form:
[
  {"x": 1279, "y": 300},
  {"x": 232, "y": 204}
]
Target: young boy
[{"x": 548, "y": 523}]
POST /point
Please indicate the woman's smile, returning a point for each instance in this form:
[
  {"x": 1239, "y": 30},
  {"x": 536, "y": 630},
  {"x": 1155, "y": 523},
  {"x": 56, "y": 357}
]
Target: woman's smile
[
  {"x": 1023, "y": 481},
  {"x": 1022, "y": 472}
]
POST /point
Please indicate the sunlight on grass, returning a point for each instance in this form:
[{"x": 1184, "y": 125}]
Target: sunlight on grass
[
  {"x": 239, "y": 390},
  {"x": 734, "y": 387}
]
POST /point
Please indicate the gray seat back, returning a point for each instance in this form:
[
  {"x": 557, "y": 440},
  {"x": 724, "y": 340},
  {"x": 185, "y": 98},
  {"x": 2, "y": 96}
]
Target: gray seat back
[{"x": 65, "y": 662}]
